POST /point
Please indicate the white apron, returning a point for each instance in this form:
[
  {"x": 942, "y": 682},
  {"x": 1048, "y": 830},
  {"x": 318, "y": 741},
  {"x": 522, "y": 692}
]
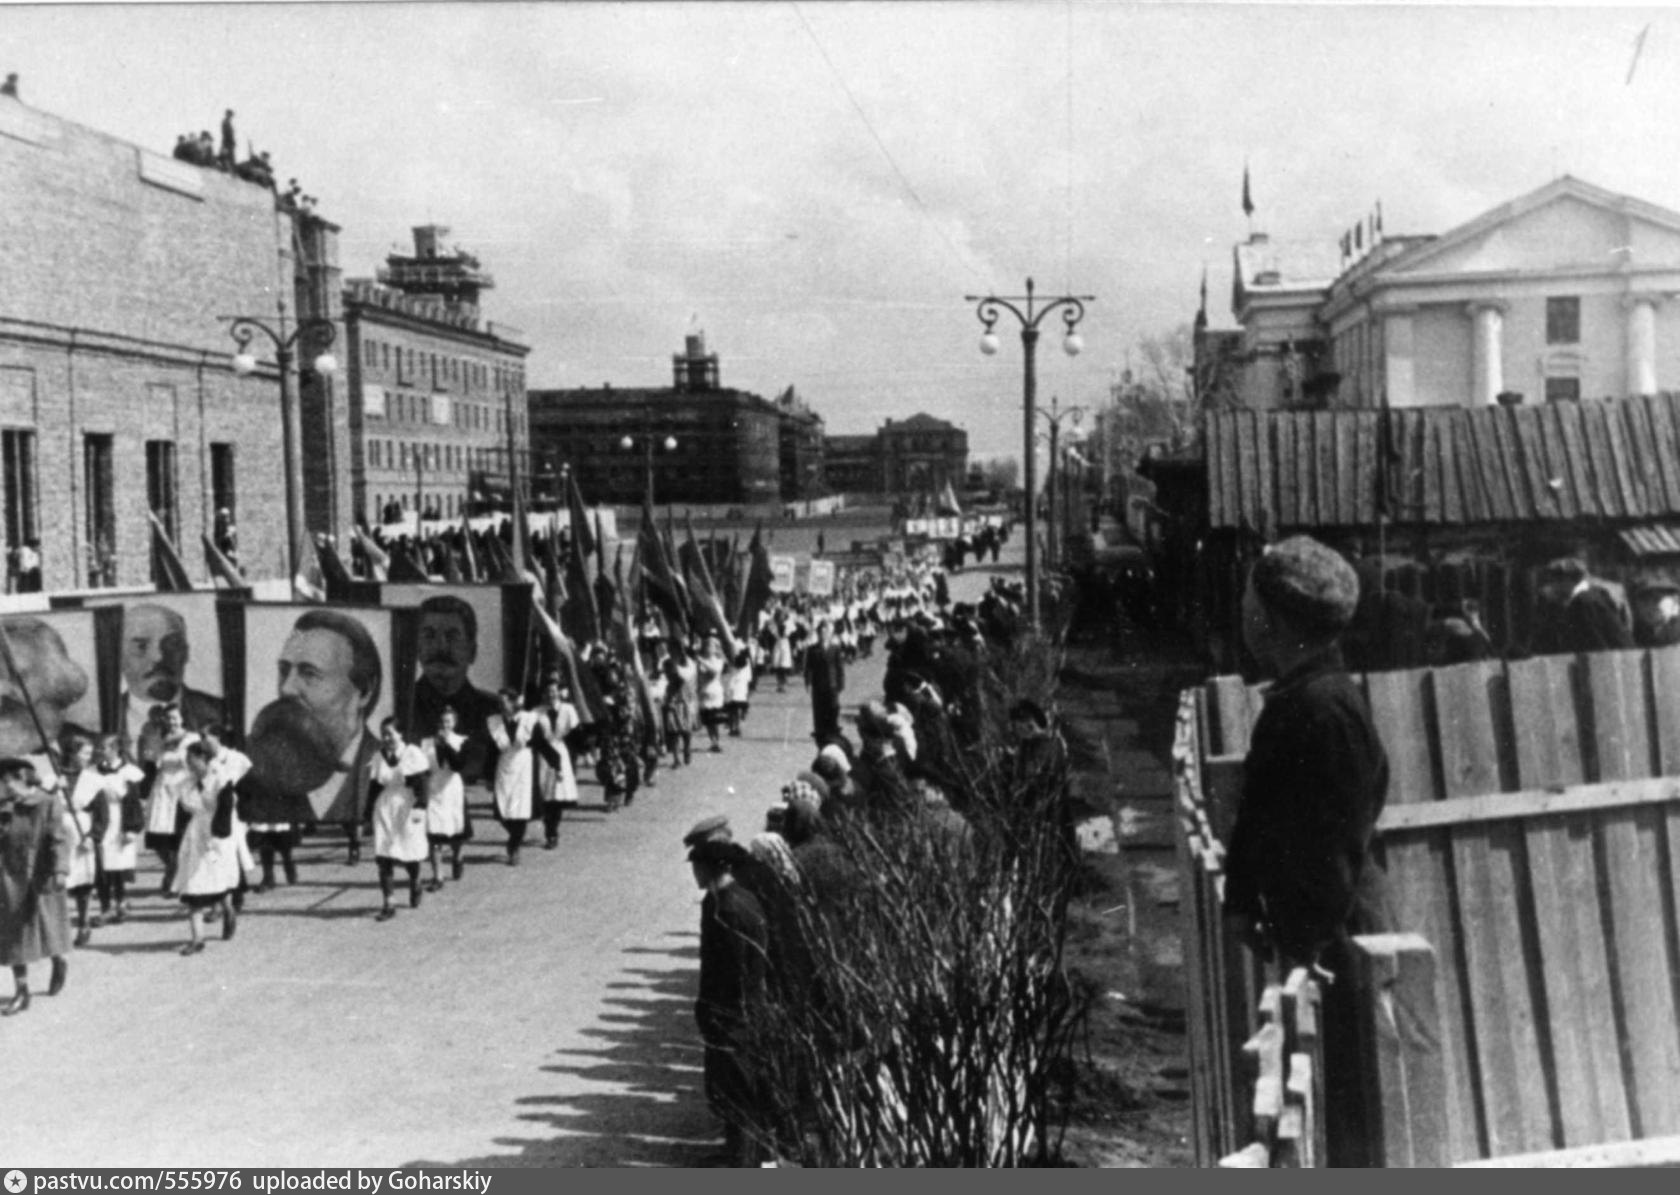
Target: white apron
[
  {"x": 399, "y": 825},
  {"x": 557, "y": 785},
  {"x": 512, "y": 788},
  {"x": 121, "y": 850},
  {"x": 446, "y": 795},
  {"x": 174, "y": 777}
]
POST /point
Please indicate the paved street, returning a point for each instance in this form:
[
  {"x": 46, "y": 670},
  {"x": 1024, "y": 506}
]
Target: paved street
[{"x": 538, "y": 1015}]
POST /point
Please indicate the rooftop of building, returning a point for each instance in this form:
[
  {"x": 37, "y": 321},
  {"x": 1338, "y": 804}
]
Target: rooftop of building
[{"x": 921, "y": 421}]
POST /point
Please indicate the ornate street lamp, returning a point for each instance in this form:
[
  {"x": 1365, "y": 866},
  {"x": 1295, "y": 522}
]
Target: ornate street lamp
[
  {"x": 244, "y": 329},
  {"x": 990, "y": 309}
]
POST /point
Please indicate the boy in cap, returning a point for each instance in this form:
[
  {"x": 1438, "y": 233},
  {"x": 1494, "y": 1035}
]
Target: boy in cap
[
  {"x": 1300, "y": 879},
  {"x": 1316, "y": 774},
  {"x": 1580, "y": 611}
]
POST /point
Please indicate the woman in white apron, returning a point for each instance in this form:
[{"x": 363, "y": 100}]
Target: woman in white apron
[
  {"x": 85, "y": 818},
  {"x": 209, "y": 869},
  {"x": 396, "y": 811},
  {"x": 119, "y": 848},
  {"x": 556, "y": 784},
  {"x": 448, "y": 823},
  {"x": 229, "y": 766},
  {"x": 171, "y": 778},
  {"x": 511, "y": 731}
]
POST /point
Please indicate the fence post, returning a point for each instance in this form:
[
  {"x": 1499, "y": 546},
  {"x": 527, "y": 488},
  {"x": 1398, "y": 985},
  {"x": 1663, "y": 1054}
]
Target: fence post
[{"x": 1400, "y": 1050}]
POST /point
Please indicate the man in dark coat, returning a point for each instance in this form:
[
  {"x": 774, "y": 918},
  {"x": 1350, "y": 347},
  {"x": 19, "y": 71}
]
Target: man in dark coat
[
  {"x": 734, "y": 945},
  {"x": 825, "y": 679},
  {"x": 1299, "y": 877},
  {"x": 1578, "y": 612}
]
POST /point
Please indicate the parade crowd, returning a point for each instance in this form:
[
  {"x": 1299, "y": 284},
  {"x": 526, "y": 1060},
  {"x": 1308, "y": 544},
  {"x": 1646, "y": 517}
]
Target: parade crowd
[{"x": 73, "y": 826}]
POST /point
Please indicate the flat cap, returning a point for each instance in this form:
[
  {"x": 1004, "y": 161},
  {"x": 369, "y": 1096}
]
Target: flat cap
[
  {"x": 1307, "y": 583},
  {"x": 1566, "y": 568},
  {"x": 709, "y": 829}
]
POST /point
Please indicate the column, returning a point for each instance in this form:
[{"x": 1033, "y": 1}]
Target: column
[
  {"x": 1399, "y": 375},
  {"x": 1641, "y": 343},
  {"x": 1489, "y": 356}
]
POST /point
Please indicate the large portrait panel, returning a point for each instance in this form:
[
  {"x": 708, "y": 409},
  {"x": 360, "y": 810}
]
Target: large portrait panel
[
  {"x": 169, "y": 652},
  {"x": 314, "y": 683},
  {"x": 469, "y": 643},
  {"x": 57, "y": 654}
]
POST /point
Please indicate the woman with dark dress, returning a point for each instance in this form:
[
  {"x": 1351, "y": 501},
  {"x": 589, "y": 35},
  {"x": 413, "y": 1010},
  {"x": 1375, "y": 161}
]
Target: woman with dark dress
[{"x": 34, "y": 863}]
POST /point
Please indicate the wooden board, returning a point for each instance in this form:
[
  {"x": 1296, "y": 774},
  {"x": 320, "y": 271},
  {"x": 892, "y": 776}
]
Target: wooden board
[
  {"x": 1633, "y": 865},
  {"x": 1489, "y": 875},
  {"x": 1575, "y": 456},
  {"x": 1396, "y": 976},
  {"x": 1586, "y": 1073},
  {"x": 1663, "y": 441},
  {"x": 1418, "y": 878}
]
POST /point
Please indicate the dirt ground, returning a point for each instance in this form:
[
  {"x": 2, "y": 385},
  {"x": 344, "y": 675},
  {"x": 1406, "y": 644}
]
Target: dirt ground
[{"x": 1129, "y": 1099}]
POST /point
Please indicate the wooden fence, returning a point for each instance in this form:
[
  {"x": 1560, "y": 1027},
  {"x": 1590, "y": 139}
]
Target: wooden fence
[{"x": 1532, "y": 845}]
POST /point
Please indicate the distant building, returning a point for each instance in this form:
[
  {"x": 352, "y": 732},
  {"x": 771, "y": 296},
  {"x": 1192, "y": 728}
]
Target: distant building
[
  {"x": 922, "y": 454},
  {"x": 1559, "y": 295},
  {"x": 725, "y": 445},
  {"x": 918, "y": 455},
  {"x": 436, "y": 392},
  {"x": 117, "y": 392},
  {"x": 801, "y": 448},
  {"x": 852, "y": 464}
]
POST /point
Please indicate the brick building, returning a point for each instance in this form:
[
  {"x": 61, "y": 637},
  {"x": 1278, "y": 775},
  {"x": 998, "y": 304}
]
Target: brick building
[
  {"x": 801, "y": 448},
  {"x": 436, "y": 393},
  {"x": 725, "y": 444},
  {"x": 117, "y": 392}
]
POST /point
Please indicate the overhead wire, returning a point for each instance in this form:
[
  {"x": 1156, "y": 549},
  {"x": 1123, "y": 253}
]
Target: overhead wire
[{"x": 903, "y": 179}]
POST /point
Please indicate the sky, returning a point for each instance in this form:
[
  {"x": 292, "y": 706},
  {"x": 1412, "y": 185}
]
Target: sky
[{"x": 817, "y": 186}]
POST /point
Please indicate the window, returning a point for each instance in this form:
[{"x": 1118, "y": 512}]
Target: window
[
  {"x": 1563, "y": 320},
  {"x": 222, "y": 489},
  {"x": 98, "y": 456},
  {"x": 160, "y": 485},
  {"x": 1563, "y": 389},
  {"x": 17, "y": 465}
]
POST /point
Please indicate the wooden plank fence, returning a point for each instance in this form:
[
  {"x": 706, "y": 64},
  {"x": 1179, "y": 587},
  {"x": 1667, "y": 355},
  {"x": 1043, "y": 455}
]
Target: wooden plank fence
[{"x": 1530, "y": 1007}]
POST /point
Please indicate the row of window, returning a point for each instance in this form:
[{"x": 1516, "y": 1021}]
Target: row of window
[
  {"x": 22, "y": 507},
  {"x": 438, "y": 410},
  {"x": 441, "y": 370},
  {"x": 405, "y": 455}
]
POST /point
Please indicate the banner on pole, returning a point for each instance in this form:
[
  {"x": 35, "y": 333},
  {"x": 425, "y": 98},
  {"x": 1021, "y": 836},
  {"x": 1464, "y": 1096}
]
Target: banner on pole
[
  {"x": 820, "y": 582},
  {"x": 781, "y": 574}
]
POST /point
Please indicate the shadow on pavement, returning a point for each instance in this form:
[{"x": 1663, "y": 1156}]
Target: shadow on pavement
[{"x": 640, "y": 1098}]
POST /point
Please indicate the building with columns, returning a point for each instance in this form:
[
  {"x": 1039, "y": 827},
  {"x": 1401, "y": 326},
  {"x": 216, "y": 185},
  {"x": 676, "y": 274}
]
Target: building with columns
[{"x": 1561, "y": 294}]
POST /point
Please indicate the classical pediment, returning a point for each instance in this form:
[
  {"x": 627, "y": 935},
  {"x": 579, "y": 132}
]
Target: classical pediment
[{"x": 1566, "y": 225}]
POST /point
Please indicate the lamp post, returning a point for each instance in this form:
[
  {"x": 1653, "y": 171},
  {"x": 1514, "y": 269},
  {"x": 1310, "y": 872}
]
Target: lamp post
[
  {"x": 647, "y": 438},
  {"x": 990, "y": 309},
  {"x": 1054, "y": 417},
  {"x": 243, "y": 329}
]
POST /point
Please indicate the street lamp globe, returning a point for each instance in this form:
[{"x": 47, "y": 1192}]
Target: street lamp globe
[
  {"x": 244, "y": 364},
  {"x": 326, "y": 364},
  {"x": 627, "y": 443},
  {"x": 1073, "y": 344},
  {"x": 670, "y": 443},
  {"x": 989, "y": 344}
]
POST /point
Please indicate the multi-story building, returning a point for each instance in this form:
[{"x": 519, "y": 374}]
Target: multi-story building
[
  {"x": 1561, "y": 294},
  {"x": 117, "y": 392},
  {"x": 852, "y": 464},
  {"x": 801, "y": 447},
  {"x": 436, "y": 392},
  {"x": 922, "y": 454},
  {"x": 696, "y": 440}
]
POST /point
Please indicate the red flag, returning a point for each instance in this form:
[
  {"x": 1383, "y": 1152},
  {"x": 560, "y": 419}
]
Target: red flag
[{"x": 576, "y": 514}]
